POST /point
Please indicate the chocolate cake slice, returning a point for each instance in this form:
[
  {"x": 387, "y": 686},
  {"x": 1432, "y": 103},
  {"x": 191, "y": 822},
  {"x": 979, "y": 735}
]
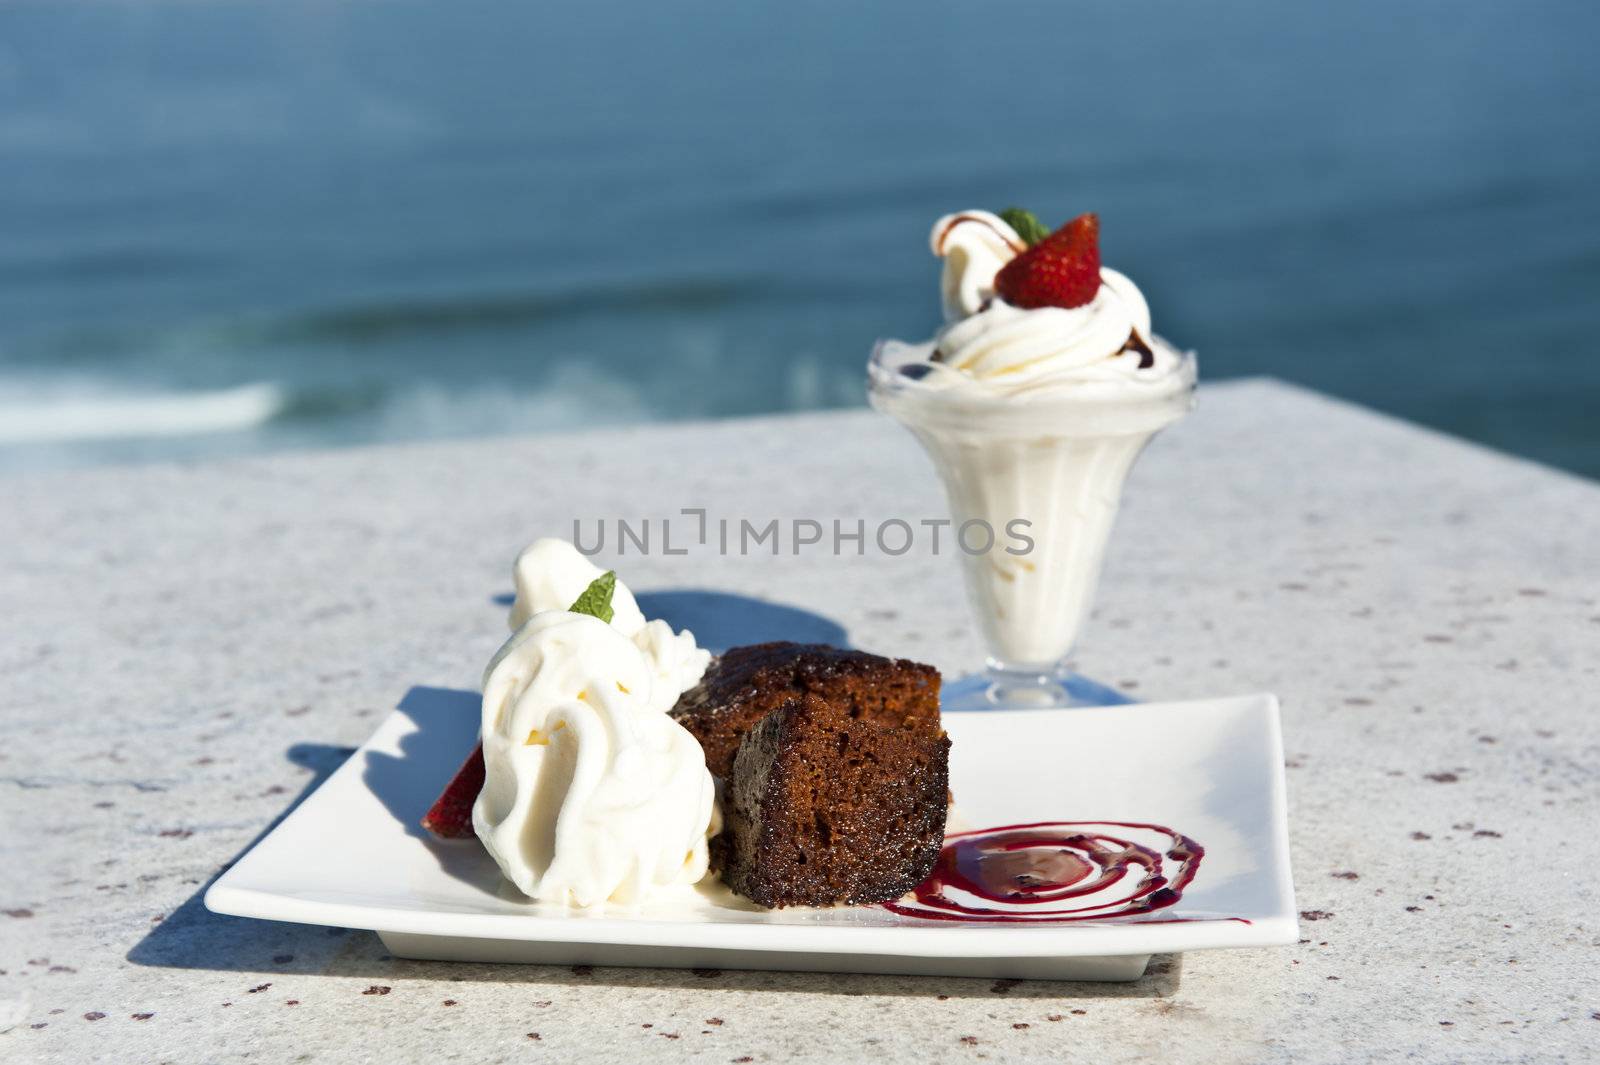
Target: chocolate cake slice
[
  {"x": 748, "y": 683},
  {"x": 824, "y": 806}
]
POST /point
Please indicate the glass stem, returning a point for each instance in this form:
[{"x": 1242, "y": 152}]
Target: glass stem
[{"x": 1023, "y": 686}]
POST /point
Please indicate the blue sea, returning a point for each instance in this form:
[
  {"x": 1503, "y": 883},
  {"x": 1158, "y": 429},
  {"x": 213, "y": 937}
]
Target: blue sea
[{"x": 231, "y": 227}]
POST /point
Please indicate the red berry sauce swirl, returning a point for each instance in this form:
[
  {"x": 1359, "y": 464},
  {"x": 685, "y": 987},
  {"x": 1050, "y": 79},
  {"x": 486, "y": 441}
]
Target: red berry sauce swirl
[{"x": 1056, "y": 871}]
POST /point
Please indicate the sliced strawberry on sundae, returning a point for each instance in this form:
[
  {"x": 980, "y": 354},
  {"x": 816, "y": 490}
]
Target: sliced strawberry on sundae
[
  {"x": 450, "y": 817},
  {"x": 1062, "y": 270}
]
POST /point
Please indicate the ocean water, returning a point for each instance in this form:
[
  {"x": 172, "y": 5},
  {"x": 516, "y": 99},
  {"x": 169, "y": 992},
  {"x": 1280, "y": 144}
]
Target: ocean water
[{"x": 228, "y": 227}]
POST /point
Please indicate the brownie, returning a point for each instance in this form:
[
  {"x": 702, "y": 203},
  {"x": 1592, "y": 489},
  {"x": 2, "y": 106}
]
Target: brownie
[
  {"x": 748, "y": 683},
  {"x": 823, "y": 806}
]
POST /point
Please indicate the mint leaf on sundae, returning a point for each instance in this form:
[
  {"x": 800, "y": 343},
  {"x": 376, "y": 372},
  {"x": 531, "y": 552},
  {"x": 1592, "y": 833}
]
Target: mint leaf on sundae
[
  {"x": 1027, "y": 225},
  {"x": 596, "y": 599}
]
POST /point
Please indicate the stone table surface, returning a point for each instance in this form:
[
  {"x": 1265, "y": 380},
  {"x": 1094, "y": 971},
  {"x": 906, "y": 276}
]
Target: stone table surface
[{"x": 188, "y": 650}]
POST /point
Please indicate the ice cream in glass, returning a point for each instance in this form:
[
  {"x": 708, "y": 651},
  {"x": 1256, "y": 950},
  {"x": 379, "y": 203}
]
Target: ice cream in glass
[{"x": 1033, "y": 401}]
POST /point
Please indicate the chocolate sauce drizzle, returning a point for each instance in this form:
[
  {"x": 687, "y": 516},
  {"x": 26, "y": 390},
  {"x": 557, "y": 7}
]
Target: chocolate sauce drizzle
[
  {"x": 1057, "y": 871},
  {"x": 1135, "y": 343},
  {"x": 1147, "y": 358}
]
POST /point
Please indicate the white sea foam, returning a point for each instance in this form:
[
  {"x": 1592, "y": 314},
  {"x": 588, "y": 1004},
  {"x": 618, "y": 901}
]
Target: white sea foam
[{"x": 95, "y": 413}]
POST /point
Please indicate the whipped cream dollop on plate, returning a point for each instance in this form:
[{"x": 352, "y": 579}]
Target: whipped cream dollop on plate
[
  {"x": 592, "y": 792},
  {"x": 988, "y": 347}
]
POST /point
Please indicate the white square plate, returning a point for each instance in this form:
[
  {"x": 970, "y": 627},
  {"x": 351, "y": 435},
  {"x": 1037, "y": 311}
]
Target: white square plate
[{"x": 353, "y": 855}]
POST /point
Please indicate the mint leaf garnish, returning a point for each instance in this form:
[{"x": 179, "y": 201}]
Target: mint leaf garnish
[
  {"x": 596, "y": 599},
  {"x": 1028, "y": 227}
]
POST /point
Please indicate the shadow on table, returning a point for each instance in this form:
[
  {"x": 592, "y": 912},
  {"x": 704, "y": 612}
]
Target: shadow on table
[
  {"x": 444, "y": 728},
  {"x": 192, "y": 937},
  {"x": 720, "y": 620},
  {"x": 445, "y": 724}
]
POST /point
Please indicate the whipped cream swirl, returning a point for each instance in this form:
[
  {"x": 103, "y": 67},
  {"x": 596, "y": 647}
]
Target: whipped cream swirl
[
  {"x": 592, "y": 793},
  {"x": 991, "y": 346}
]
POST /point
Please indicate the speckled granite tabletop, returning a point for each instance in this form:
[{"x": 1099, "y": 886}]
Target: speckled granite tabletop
[{"x": 189, "y": 650}]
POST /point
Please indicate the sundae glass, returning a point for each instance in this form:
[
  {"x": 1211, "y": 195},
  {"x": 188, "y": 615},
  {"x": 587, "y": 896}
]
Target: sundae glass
[{"x": 1033, "y": 401}]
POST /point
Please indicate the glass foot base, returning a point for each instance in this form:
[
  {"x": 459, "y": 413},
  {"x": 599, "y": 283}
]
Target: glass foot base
[{"x": 983, "y": 691}]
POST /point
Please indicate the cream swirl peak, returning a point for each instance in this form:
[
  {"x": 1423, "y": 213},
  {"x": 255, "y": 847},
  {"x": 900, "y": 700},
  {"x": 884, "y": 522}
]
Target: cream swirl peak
[
  {"x": 974, "y": 246},
  {"x": 550, "y": 574},
  {"x": 1002, "y": 347}
]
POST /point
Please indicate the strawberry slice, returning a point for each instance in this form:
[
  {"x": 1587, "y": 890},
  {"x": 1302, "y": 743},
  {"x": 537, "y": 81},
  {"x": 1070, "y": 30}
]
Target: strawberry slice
[
  {"x": 1062, "y": 270},
  {"x": 450, "y": 817}
]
